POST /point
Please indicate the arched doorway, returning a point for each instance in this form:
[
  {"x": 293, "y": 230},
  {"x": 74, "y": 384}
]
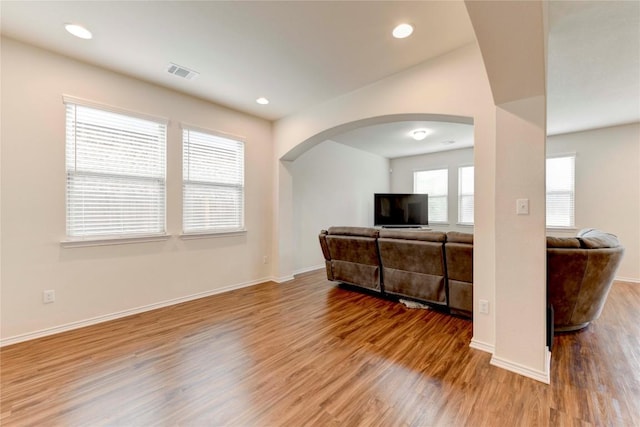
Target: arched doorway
[{"x": 335, "y": 177}]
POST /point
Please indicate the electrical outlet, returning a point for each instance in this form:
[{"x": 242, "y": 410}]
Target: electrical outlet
[
  {"x": 484, "y": 306},
  {"x": 48, "y": 296}
]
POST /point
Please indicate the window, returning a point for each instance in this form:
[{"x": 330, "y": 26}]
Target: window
[
  {"x": 465, "y": 195},
  {"x": 560, "y": 191},
  {"x": 115, "y": 167},
  {"x": 213, "y": 183},
  {"x": 435, "y": 183}
]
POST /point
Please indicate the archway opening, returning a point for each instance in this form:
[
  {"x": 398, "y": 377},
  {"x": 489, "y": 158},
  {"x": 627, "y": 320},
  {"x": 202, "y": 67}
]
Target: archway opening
[{"x": 336, "y": 172}]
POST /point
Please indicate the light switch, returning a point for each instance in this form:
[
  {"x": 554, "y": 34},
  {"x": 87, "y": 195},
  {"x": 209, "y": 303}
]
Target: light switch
[{"x": 522, "y": 206}]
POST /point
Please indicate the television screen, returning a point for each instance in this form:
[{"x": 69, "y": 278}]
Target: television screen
[{"x": 401, "y": 210}]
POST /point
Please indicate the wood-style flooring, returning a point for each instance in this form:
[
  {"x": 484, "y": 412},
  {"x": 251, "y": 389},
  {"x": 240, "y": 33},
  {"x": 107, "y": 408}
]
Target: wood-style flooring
[{"x": 310, "y": 353}]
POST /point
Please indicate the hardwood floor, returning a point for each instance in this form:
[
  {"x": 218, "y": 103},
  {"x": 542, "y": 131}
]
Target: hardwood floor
[{"x": 309, "y": 353}]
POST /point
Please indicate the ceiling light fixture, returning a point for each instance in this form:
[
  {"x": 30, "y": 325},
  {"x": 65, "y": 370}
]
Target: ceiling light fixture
[
  {"x": 420, "y": 134},
  {"x": 262, "y": 101},
  {"x": 402, "y": 31},
  {"x": 78, "y": 31}
]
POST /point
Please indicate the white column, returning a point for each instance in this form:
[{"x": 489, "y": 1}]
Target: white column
[{"x": 520, "y": 303}]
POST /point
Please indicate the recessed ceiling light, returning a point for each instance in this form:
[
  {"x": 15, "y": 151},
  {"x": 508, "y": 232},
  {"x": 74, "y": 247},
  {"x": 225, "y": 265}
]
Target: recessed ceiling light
[
  {"x": 420, "y": 134},
  {"x": 78, "y": 31},
  {"x": 402, "y": 31},
  {"x": 262, "y": 101}
]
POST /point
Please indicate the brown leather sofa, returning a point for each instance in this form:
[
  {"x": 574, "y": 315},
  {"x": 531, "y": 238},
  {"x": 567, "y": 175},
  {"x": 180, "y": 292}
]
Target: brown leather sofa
[
  {"x": 437, "y": 268},
  {"x": 403, "y": 263}
]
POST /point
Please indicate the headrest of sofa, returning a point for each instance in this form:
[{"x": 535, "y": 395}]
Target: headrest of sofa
[
  {"x": 563, "y": 242},
  {"x": 353, "y": 231},
  {"x": 428, "y": 236},
  {"x": 592, "y": 238},
  {"x": 458, "y": 237}
]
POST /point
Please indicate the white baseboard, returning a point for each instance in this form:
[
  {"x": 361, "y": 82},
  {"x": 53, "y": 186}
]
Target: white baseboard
[
  {"x": 282, "y": 279},
  {"x": 483, "y": 346},
  {"x": 542, "y": 376},
  {"x": 104, "y": 318},
  {"x": 308, "y": 269},
  {"x": 627, "y": 279}
]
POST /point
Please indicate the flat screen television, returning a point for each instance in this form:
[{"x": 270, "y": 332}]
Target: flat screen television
[{"x": 401, "y": 210}]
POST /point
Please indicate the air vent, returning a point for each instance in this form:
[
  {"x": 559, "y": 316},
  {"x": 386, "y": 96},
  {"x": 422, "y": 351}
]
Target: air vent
[{"x": 180, "y": 71}]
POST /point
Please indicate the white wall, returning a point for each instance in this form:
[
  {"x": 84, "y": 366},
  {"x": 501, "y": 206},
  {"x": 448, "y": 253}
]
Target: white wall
[
  {"x": 99, "y": 281},
  {"x": 333, "y": 184},
  {"x": 607, "y": 186},
  {"x": 402, "y": 179}
]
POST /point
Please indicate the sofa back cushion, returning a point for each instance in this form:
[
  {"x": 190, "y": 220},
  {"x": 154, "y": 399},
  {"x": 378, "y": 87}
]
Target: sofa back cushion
[
  {"x": 354, "y": 257},
  {"x": 459, "y": 258},
  {"x": 563, "y": 242},
  {"x": 426, "y": 236},
  {"x": 413, "y": 264},
  {"x": 458, "y": 237},
  {"x": 592, "y": 238},
  {"x": 353, "y": 231}
]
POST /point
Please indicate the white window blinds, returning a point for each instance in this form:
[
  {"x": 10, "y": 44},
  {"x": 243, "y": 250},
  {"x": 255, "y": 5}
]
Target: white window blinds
[
  {"x": 465, "y": 194},
  {"x": 115, "y": 167},
  {"x": 213, "y": 183},
  {"x": 560, "y": 191},
  {"x": 435, "y": 183}
]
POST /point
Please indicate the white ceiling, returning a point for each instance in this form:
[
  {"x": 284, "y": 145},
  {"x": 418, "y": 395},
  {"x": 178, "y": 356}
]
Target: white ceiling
[
  {"x": 393, "y": 140},
  {"x": 593, "y": 65},
  {"x": 301, "y": 53},
  {"x": 296, "y": 54}
]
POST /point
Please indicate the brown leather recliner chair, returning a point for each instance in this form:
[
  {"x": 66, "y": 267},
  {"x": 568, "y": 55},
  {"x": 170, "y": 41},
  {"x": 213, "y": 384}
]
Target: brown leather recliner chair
[
  {"x": 351, "y": 256},
  {"x": 459, "y": 256},
  {"x": 580, "y": 271},
  {"x": 413, "y": 264}
]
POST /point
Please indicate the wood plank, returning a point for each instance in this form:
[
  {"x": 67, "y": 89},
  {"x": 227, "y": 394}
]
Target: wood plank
[{"x": 308, "y": 352}]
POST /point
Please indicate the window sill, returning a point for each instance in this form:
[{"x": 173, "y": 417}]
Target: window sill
[
  {"x": 464, "y": 224},
  {"x": 79, "y": 243},
  {"x": 212, "y": 234}
]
